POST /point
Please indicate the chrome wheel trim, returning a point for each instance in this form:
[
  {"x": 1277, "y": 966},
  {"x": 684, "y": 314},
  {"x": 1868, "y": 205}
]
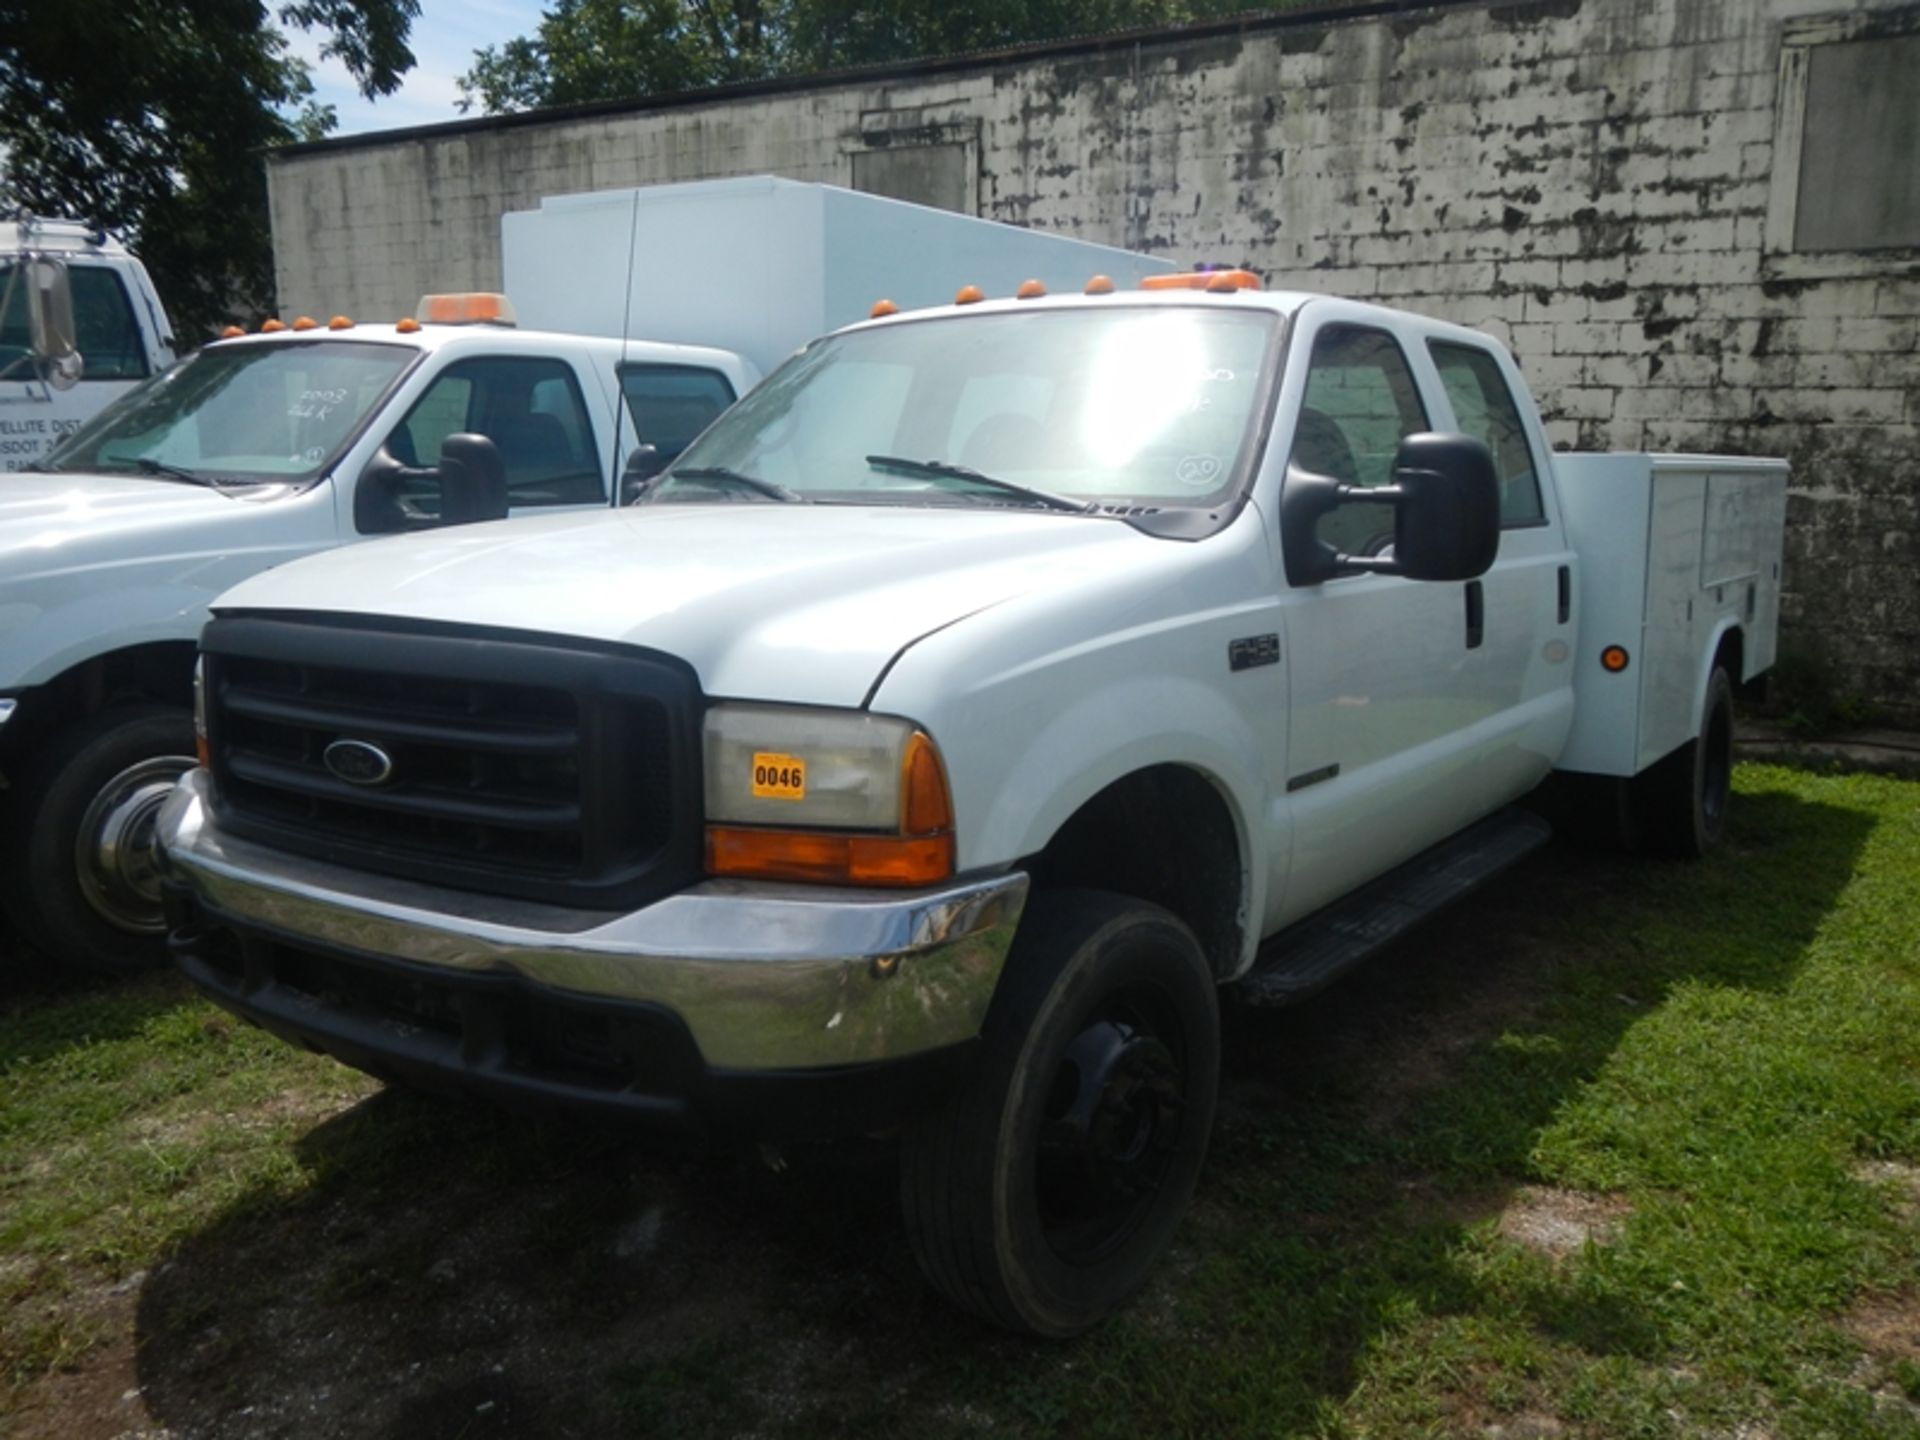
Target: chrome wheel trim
[{"x": 114, "y": 851}]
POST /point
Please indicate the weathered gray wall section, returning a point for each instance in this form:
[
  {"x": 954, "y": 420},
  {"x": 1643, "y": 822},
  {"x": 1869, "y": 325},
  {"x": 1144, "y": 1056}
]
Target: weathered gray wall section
[{"x": 1589, "y": 179}]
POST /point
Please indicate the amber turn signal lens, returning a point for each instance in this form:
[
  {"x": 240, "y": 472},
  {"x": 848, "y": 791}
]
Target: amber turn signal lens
[
  {"x": 202, "y": 752},
  {"x": 1614, "y": 658},
  {"x": 898, "y": 861},
  {"x": 925, "y": 806}
]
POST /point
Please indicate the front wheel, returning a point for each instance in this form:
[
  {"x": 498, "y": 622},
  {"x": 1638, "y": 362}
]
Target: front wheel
[
  {"x": 1042, "y": 1195},
  {"x": 80, "y": 880}
]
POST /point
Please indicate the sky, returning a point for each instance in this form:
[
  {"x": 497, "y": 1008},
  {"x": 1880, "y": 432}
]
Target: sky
[{"x": 444, "y": 38}]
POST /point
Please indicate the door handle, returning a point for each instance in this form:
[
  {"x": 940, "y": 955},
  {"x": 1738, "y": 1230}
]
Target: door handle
[
  {"x": 1476, "y": 615},
  {"x": 1566, "y": 593}
]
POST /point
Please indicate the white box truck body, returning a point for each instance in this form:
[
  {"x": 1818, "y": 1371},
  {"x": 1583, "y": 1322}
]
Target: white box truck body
[{"x": 762, "y": 265}]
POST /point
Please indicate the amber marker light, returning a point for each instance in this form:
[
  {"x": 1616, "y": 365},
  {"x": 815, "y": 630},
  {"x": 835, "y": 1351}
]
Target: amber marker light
[
  {"x": 230, "y": 331},
  {"x": 339, "y": 322},
  {"x": 306, "y": 322},
  {"x": 1100, "y": 285},
  {"x": 1218, "y": 281},
  {"x": 1030, "y": 290},
  {"x": 405, "y": 325},
  {"x": 969, "y": 295},
  {"x": 1613, "y": 659},
  {"x": 882, "y": 309},
  {"x": 272, "y": 327}
]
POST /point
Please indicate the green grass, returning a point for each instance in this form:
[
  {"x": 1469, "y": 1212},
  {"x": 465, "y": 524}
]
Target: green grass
[{"x": 1709, "y": 1055}]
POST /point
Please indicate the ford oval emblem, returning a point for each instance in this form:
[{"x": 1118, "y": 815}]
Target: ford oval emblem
[{"x": 359, "y": 762}]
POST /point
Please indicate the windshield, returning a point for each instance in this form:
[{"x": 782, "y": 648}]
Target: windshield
[
  {"x": 1115, "y": 408},
  {"x": 240, "y": 413}
]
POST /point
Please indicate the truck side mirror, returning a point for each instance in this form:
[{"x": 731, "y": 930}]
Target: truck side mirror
[
  {"x": 470, "y": 481},
  {"x": 1446, "y": 517},
  {"x": 50, "y": 327},
  {"x": 1446, "y": 521},
  {"x": 644, "y": 463},
  {"x": 473, "y": 480}
]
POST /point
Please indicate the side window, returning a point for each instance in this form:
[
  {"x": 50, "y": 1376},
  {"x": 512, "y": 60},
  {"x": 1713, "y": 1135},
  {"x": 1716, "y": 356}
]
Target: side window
[
  {"x": 533, "y": 413},
  {"x": 1484, "y": 408},
  {"x": 103, "y": 323},
  {"x": 1360, "y": 403},
  {"x": 671, "y": 404}
]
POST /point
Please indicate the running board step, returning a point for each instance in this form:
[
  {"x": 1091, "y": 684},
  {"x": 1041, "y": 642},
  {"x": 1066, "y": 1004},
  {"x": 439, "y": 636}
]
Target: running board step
[{"x": 1324, "y": 946}]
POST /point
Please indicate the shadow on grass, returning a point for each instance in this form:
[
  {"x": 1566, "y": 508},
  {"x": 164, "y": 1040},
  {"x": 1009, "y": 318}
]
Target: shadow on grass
[
  {"x": 46, "y": 1008},
  {"x": 453, "y": 1272}
]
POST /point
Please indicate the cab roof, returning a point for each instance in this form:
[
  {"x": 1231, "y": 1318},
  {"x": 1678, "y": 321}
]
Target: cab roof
[
  {"x": 490, "y": 340},
  {"x": 58, "y": 237}
]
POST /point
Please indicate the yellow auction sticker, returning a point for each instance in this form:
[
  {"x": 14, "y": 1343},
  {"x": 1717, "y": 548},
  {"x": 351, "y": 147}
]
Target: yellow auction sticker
[{"x": 779, "y": 777}]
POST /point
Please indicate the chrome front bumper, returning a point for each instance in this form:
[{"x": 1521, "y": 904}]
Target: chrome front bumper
[{"x": 764, "y": 977}]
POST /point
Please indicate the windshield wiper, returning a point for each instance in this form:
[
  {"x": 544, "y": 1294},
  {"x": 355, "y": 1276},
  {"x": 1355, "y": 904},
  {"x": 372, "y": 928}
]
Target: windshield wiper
[
  {"x": 160, "y": 469},
  {"x": 725, "y": 476},
  {"x": 942, "y": 470}
]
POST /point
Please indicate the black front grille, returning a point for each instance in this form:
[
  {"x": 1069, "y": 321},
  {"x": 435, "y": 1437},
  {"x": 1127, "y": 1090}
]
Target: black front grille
[{"x": 519, "y": 766}]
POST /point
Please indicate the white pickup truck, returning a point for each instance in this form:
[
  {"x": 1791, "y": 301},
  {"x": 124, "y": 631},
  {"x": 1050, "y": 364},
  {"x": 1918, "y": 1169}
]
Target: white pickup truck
[
  {"x": 261, "y": 448},
  {"x": 80, "y": 325},
  {"x": 943, "y": 731}
]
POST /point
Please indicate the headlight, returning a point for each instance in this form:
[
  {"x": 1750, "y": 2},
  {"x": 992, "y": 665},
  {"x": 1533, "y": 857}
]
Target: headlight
[{"x": 837, "y": 796}]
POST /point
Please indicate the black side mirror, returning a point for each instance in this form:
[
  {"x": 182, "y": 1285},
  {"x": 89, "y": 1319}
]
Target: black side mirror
[
  {"x": 1446, "y": 518},
  {"x": 1446, "y": 522},
  {"x": 470, "y": 479},
  {"x": 644, "y": 464},
  {"x": 473, "y": 480}
]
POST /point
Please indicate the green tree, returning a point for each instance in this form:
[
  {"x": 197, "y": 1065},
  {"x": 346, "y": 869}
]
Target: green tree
[
  {"x": 589, "y": 50},
  {"x": 151, "y": 117}
]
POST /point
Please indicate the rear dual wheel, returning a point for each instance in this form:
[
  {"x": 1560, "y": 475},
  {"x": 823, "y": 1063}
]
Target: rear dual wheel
[
  {"x": 1042, "y": 1195},
  {"x": 1678, "y": 807}
]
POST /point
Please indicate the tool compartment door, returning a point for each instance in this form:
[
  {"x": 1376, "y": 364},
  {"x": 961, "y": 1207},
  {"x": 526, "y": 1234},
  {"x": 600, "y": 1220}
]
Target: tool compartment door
[{"x": 1674, "y": 550}]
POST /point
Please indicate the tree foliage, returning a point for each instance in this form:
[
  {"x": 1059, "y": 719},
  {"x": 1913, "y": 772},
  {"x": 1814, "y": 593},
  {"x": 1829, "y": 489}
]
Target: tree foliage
[
  {"x": 591, "y": 50},
  {"x": 151, "y": 117}
]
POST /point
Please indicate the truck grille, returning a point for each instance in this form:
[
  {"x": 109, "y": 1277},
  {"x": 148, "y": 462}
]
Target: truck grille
[{"x": 515, "y": 765}]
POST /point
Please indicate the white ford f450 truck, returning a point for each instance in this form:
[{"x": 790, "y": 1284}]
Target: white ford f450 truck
[
  {"x": 938, "y": 736},
  {"x": 261, "y": 448}
]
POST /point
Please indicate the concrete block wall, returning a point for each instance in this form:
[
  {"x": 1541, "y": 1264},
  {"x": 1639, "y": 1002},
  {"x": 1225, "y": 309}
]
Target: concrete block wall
[{"x": 1590, "y": 180}]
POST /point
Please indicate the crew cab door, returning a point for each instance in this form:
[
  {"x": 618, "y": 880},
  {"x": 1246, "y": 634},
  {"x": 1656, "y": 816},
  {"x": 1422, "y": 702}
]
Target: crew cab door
[
  {"x": 1407, "y": 715},
  {"x": 534, "y": 410},
  {"x": 668, "y": 405}
]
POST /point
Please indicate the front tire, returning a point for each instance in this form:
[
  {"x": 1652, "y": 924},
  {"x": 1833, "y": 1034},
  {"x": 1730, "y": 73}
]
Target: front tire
[
  {"x": 79, "y": 881},
  {"x": 1042, "y": 1195}
]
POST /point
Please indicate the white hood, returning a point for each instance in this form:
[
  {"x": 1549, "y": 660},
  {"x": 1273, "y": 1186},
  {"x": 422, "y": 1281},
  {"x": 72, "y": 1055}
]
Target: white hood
[
  {"x": 798, "y": 603},
  {"x": 43, "y": 515}
]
